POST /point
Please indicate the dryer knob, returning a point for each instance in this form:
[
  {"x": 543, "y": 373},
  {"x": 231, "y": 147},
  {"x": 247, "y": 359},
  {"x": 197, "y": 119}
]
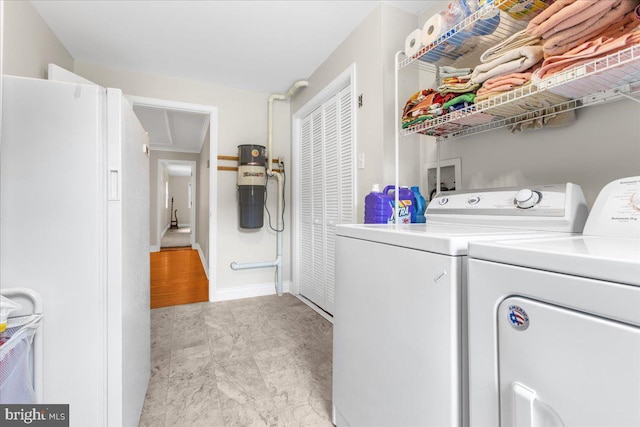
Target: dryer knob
[{"x": 527, "y": 198}]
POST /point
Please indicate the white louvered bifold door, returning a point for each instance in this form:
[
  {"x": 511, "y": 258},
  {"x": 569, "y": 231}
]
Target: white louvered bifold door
[
  {"x": 325, "y": 194},
  {"x": 317, "y": 209},
  {"x": 305, "y": 245},
  {"x": 331, "y": 194}
]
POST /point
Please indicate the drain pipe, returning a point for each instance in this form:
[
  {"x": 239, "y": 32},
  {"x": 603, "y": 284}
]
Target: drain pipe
[{"x": 280, "y": 182}]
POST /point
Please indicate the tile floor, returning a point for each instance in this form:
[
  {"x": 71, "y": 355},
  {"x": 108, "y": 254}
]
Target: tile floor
[{"x": 262, "y": 361}]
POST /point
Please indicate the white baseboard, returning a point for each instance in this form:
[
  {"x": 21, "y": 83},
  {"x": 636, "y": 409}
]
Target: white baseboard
[
  {"x": 184, "y": 225},
  {"x": 154, "y": 248},
  {"x": 164, "y": 231},
  {"x": 203, "y": 260},
  {"x": 249, "y": 291}
]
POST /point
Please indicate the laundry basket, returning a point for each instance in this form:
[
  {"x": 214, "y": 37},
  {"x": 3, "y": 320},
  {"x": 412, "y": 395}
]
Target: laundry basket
[{"x": 21, "y": 354}]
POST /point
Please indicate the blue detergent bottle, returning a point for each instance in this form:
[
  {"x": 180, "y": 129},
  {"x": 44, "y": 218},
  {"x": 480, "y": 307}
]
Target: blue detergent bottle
[{"x": 420, "y": 206}]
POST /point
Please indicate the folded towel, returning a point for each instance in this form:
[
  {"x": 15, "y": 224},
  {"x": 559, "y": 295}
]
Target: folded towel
[
  {"x": 626, "y": 25},
  {"x": 584, "y": 53},
  {"x": 415, "y": 99},
  {"x": 567, "y": 39},
  {"x": 458, "y": 87},
  {"x": 467, "y": 97},
  {"x": 517, "y": 40},
  {"x": 547, "y": 13},
  {"x": 514, "y": 61},
  {"x": 453, "y": 71},
  {"x": 515, "y": 79},
  {"x": 571, "y": 15}
]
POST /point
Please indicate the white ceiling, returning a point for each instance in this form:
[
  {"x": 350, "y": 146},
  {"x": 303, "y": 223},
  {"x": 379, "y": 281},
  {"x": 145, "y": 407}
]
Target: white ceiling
[
  {"x": 256, "y": 45},
  {"x": 173, "y": 130},
  {"x": 178, "y": 169}
]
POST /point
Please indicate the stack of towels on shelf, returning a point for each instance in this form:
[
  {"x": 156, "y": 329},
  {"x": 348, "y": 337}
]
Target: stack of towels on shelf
[
  {"x": 569, "y": 23},
  {"x": 455, "y": 92},
  {"x": 458, "y": 89},
  {"x": 508, "y": 65},
  {"x": 563, "y": 36},
  {"x": 577, "y": 32}
]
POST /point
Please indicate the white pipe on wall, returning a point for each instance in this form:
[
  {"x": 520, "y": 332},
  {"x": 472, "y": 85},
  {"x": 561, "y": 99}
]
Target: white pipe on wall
[{"x": 280, "y": 178}]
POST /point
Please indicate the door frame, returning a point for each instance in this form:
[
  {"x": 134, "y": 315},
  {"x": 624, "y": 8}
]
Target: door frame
[
  {"x": 194, "y": 199},
  {"x": 207, "y": 263},
  {"x": 347, "y": 77}
]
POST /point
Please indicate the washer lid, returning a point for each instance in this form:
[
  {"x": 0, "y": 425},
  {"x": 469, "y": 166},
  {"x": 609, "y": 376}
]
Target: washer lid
[
  {"x": 596, "y": 257},
  {"x": 446, "y": 239}
]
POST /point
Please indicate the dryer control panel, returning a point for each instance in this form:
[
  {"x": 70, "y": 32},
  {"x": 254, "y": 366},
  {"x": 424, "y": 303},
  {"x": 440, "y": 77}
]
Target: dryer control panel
[
  {"x": 616, "y": 212},
  {"x": 555, "y": 207}
]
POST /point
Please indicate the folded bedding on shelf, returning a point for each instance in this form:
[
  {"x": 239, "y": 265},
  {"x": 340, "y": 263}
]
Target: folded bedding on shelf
[
  {"x": 415, "y": 99},
  {"x": 514, "y": 61},
  {"x": 619, "y": 28},
  {"x": 563, "y": 15},
  {"x": 517, "y": 40},
  {"x": 458, "y": 87},
  {"x": 513, "y": 79},
  {"x": 569, "y": 38},
  {"x": 447, "y": 71},
  {"x": 424, "y": 105},
  {"x": 584, "y": 53},
  {"x": 467, "y": 97}
]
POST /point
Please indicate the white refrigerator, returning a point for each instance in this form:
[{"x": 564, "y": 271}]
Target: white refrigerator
[{"x": 74, "y": 226}]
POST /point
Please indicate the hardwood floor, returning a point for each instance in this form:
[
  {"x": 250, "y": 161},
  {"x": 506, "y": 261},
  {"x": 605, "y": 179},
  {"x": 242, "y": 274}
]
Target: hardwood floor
[{"x": 177, "y": 277}]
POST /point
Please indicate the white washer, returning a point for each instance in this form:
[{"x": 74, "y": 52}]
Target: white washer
[
  {"x": 399, "y": 319},
  {"x": 554, "y": 323}
]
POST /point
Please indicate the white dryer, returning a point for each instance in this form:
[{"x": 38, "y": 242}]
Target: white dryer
[
  {"x": 554, "y": 323},
  {"x": 400, "y": 315}
]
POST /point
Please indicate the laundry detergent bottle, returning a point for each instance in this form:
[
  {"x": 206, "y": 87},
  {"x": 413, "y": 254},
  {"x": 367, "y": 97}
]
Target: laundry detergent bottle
[
  {"x": 406, "y": 204},
  {"x": 420, "y": 205},
  {"x": 378, "y": 207}
]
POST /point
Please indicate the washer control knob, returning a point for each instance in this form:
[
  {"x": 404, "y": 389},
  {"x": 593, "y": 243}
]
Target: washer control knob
[
  {"x": 443, "y": 201},
  {"x": 527, "y": 198},
  {"x": 473, "y": 200}
]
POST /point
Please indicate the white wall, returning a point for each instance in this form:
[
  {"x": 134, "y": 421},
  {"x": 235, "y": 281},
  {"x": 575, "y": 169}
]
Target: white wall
[
  {"x": 242, "y": 120},
  {"x": 371, "y": 46},
  {"x": 29, "y": 43},
  {"x": 603, "y": 145},
  {"x": 179, "y": 191}
]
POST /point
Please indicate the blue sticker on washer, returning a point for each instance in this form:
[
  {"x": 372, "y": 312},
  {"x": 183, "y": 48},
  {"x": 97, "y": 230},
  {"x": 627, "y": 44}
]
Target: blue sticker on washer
[{"x": 518, "y": 318}]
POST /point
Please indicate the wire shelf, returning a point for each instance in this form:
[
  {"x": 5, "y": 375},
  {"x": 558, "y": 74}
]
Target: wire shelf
[
  {"x": 602, "y": 79},
  {"x": 462, "y": 45}
]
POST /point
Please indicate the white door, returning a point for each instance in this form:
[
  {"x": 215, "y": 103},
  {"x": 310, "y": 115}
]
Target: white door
[
  {"x": 53, "y": 230},
  {"x": 128, "y": 262},
  {"x": 325, "y": 194}
]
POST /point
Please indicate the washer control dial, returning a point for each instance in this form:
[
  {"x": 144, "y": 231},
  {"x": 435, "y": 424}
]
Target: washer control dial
[
  {"x": 474, "y": 200},
  {"x": 443, "y": 201},
  {"x": 527, "y": 198}
]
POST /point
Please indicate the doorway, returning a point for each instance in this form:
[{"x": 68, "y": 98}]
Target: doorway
[
  {"x": 176, "y": 225},
  {"x": 178, "y": 122}
]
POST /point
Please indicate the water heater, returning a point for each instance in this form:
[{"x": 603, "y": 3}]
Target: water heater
[{"x": 252, "y": 181}]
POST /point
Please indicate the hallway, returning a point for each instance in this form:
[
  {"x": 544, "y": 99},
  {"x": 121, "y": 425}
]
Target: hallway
[{"x": 177, "y": 277}]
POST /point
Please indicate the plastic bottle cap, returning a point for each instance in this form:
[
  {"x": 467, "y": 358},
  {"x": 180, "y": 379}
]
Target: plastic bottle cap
[{"x": 375, "y": 188}]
